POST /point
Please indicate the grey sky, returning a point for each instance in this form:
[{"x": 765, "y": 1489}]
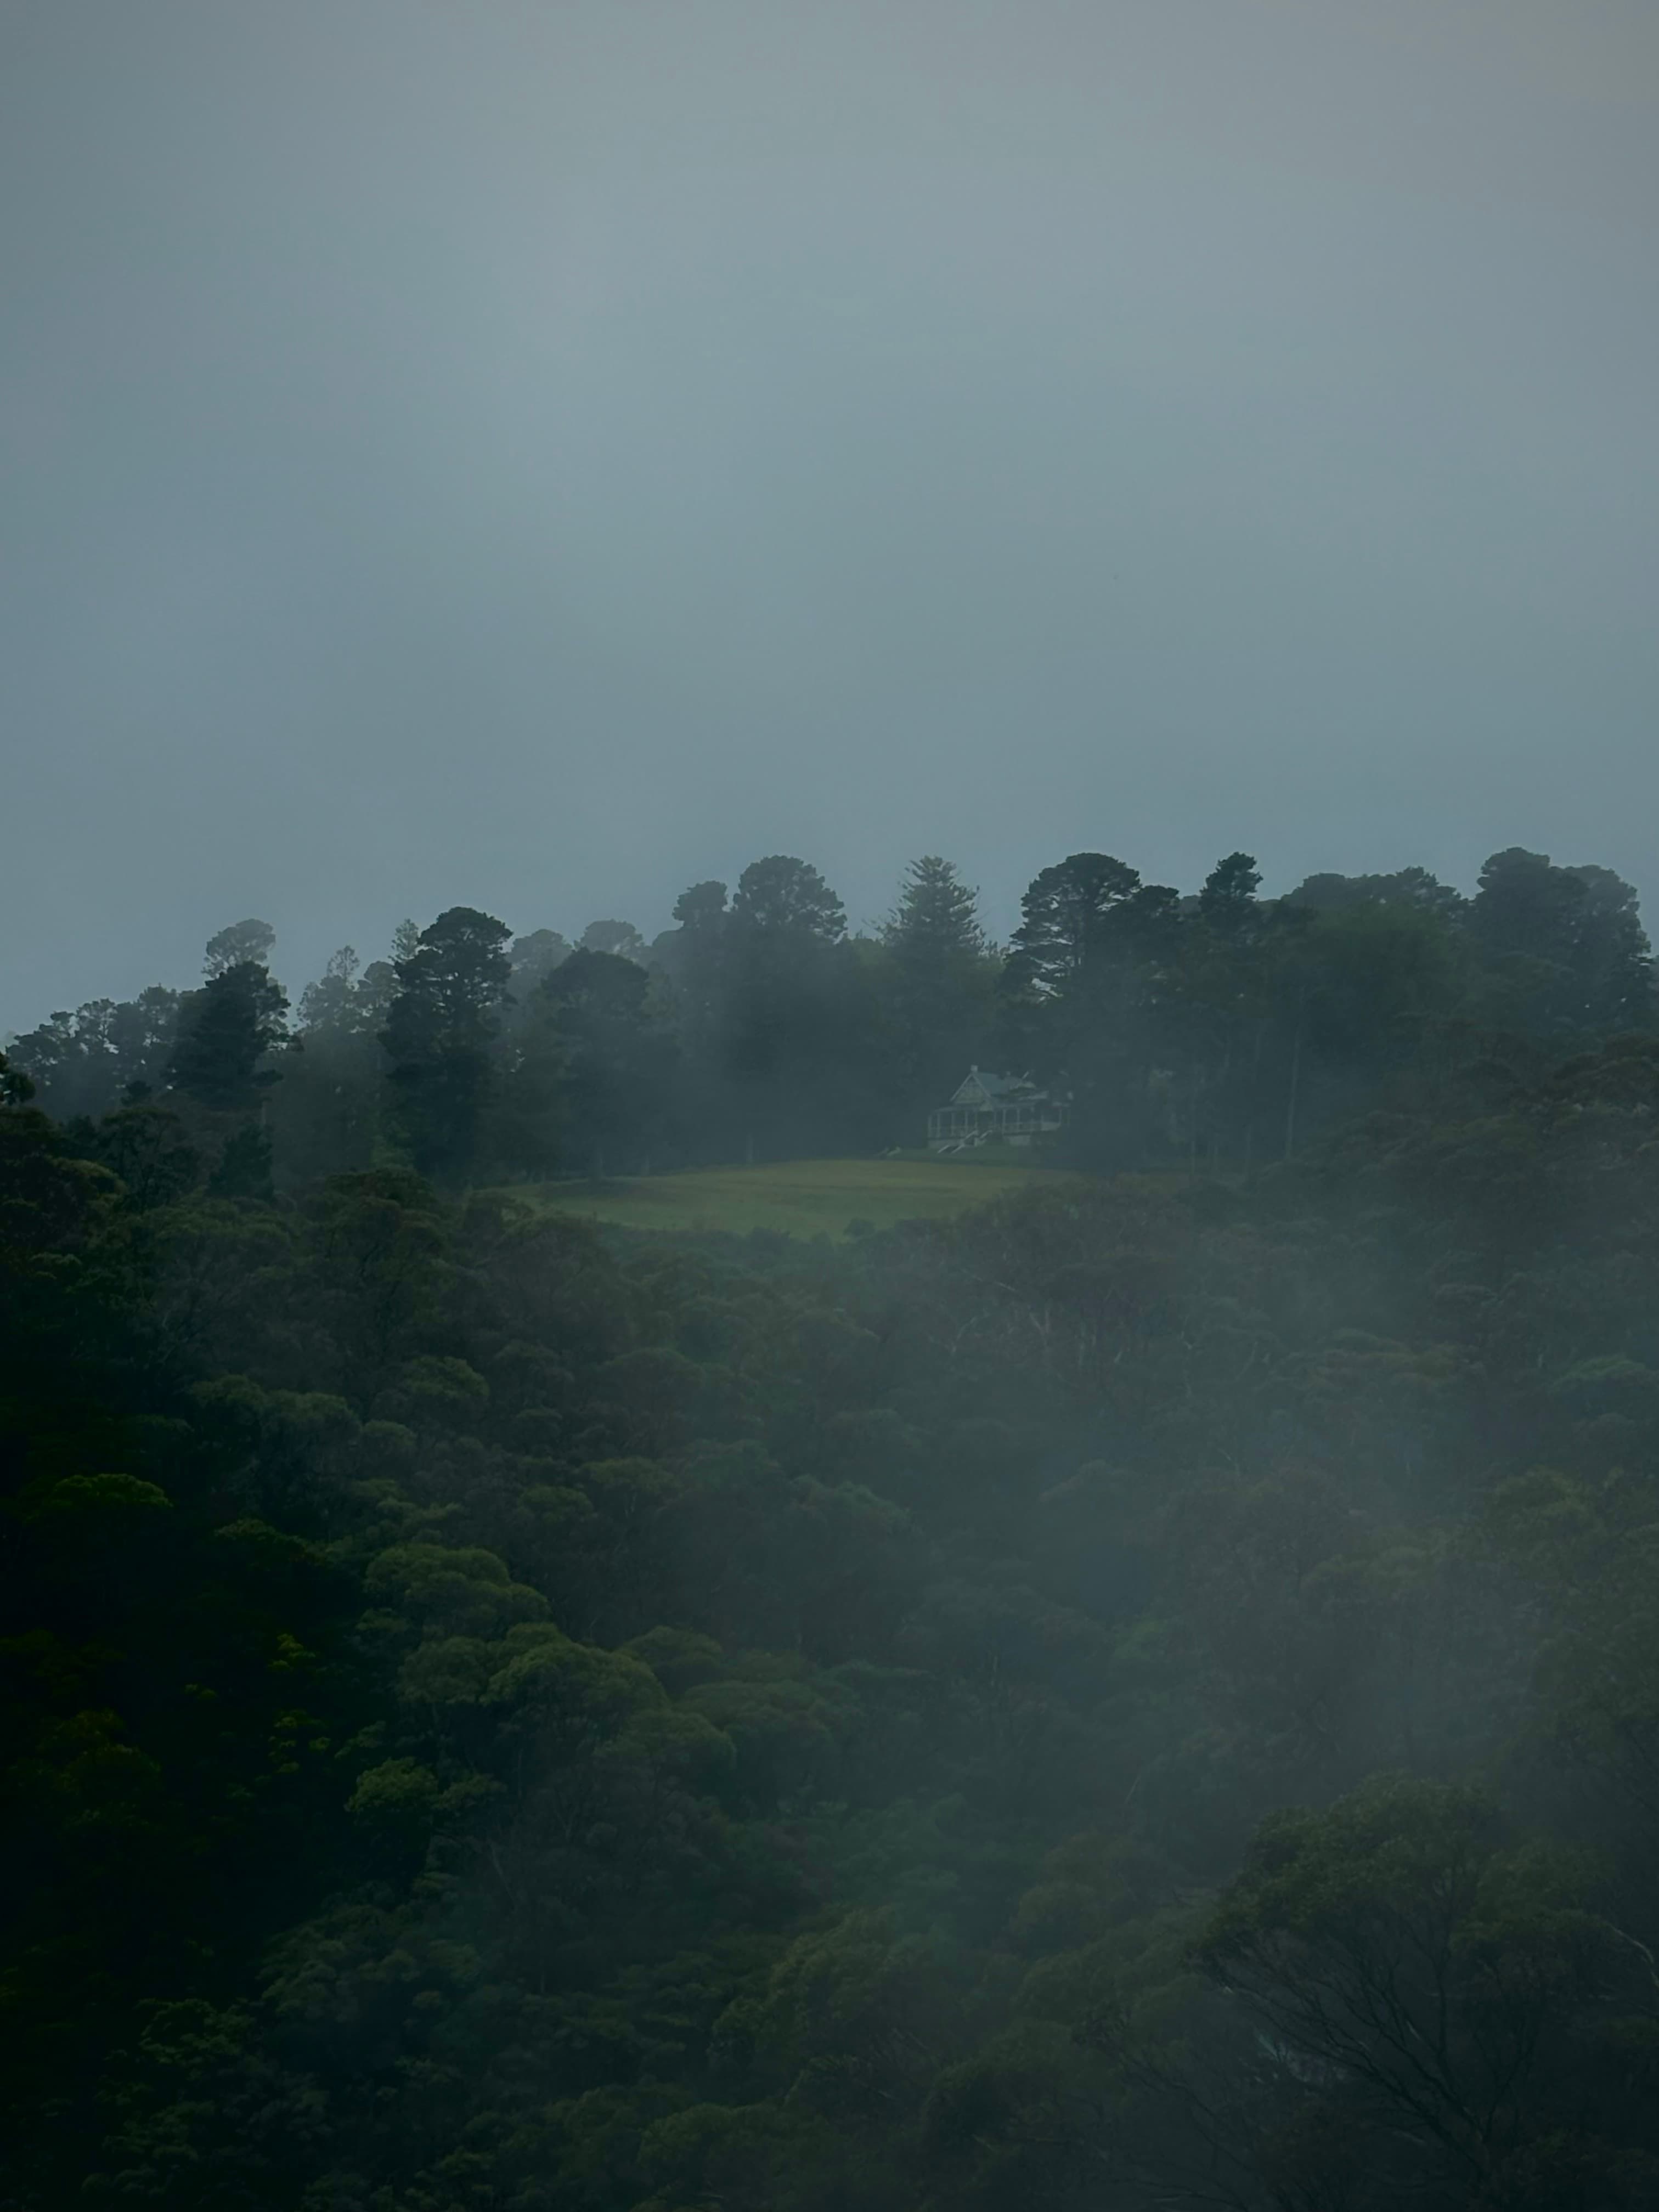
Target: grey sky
[{"x": 541, "y": 455}]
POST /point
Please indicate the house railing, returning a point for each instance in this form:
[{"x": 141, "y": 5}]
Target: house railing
[{"x": 974, "y": 1124}]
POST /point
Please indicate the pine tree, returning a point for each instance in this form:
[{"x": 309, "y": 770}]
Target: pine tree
[
  {"x": 225, "y": 1029},
  {"x": 941, "y": 975},
  {"x": 1068, "y": 913},
  {"x": 1228, "y": 901},
  {"x": 451, "y": 987},
  {"x": 935, "y": 925}
]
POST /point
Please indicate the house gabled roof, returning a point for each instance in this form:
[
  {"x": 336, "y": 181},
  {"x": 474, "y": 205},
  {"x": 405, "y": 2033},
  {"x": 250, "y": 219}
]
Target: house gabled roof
[{"x": 992, "y": 1087}]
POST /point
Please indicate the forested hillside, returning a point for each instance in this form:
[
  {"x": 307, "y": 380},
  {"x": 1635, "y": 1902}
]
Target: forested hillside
[
  {"x": 1144, "y": 1695},
  {"x": 1216, "y": 1029}
]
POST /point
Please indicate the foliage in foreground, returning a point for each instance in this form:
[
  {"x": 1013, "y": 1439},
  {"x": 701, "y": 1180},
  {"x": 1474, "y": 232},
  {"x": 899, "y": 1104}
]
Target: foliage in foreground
[{"x": 1122, "y": 1697}]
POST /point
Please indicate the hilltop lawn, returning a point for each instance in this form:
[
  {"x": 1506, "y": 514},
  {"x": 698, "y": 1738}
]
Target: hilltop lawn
[{"x": 801, "y": 1198}]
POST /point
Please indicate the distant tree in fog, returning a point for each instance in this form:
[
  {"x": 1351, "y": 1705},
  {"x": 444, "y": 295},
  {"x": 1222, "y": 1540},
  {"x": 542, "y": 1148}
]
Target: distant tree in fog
[
  {"x": 618, "y": 1054},
  {"x": 331, "y": 1001},
  {"x": 780, "y": 896},
  {"x": 618, "y": 937},
  {"x": 1228, "y": 901},
  {"x": 85, "y": 1060},
  {"x": 1414, "y": 888},
  {"x": 701, "y": 909},
  {"x": 534, "y": 958},
  {"x": 225, "y": 1030},
  {"x": 1565, "y": 946},
  {"x": 241, "y": 941},
  {"x": 798, "y": 1034},
  {"x": 690, "y": 952}
]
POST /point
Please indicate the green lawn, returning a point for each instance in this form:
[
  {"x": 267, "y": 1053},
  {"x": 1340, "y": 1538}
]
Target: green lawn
[{"x": 802, "y": 1198}]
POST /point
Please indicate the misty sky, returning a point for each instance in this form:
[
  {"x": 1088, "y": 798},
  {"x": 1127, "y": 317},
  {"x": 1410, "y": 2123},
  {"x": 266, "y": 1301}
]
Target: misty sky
[{"x": 538, "y": 453}]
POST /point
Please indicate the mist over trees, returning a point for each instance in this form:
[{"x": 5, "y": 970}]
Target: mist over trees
[
  {"x": 1143, "y": 1694},
  {"x": 1218, "y": 1026}
]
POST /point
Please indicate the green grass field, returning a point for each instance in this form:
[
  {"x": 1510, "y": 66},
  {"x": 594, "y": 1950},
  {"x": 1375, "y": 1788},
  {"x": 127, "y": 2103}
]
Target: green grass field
[{"x": 801, "y": 1198}]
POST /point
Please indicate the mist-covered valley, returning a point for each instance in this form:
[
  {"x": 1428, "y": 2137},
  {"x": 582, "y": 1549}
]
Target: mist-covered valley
[{"x": 912, "y": 1463}]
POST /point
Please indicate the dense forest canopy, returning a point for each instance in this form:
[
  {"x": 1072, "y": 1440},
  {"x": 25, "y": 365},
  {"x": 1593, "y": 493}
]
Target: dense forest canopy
[{"x": 1144, "y": 1695}]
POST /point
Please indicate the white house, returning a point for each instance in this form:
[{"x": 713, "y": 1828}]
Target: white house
[{"x": 985, "y": 1107}]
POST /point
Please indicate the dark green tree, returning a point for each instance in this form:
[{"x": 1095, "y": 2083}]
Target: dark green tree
[
  {"x": 1087, "y": 987},
  {"x": 1564, "y": 948},
  {"x": 1067, "y": 922},
  {"x": 1612, "y": 959},
  {"x": 796, "y": 1016},
  {"x": 226, "y": 1030},
  {"x": 1228, "y": 901},
  {"x": 1405, "y": 887},
  {"x": 619, "y": 938},
  {"x": 782, "y": 899},
  {"x": 84, "y": 1060},
  {"x": 451, "y": 984},
  {"x": 616, "y": 1056},
  {"x": 940, "y": 976}
]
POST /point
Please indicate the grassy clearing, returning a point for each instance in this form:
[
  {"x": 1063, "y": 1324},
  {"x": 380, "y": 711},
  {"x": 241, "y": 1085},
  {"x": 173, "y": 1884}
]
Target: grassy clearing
[{"x": 800, "y": 1198}]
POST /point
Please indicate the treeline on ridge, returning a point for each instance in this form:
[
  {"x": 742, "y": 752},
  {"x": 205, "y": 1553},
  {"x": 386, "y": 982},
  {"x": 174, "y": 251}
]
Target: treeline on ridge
[{"x": 1216, "y": 1029}]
